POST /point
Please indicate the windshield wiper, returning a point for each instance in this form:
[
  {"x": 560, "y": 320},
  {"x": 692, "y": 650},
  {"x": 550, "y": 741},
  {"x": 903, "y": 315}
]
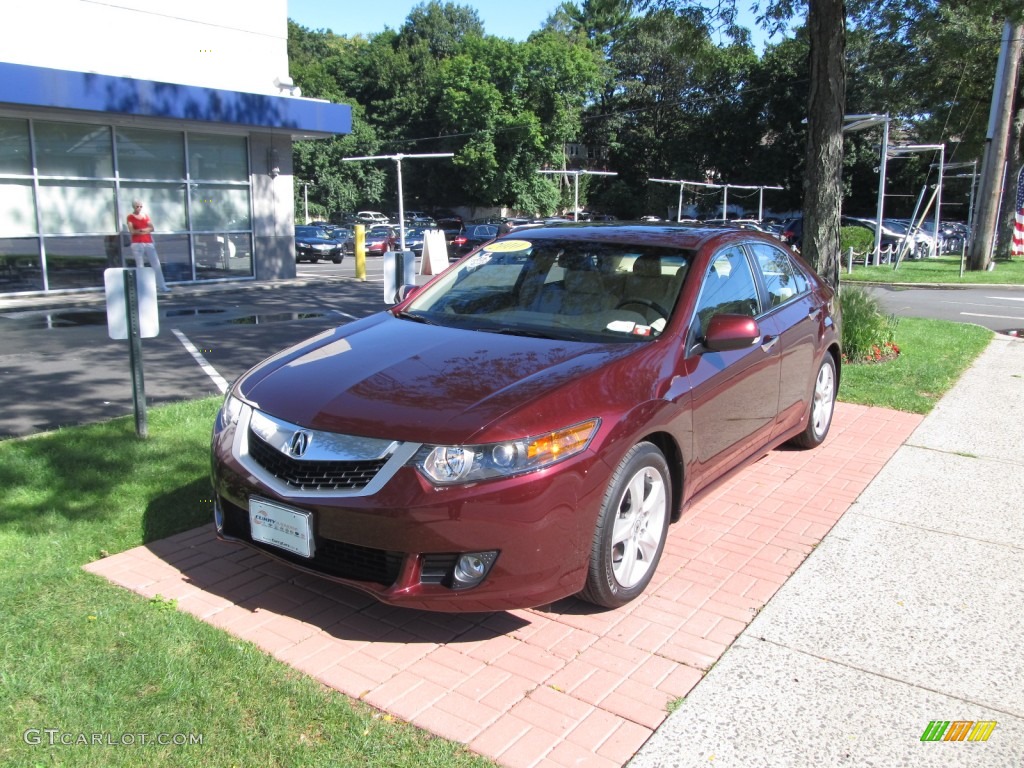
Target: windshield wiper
[
  {"x": 415, "y": 318},
  {"x": 561, "y": 336}
]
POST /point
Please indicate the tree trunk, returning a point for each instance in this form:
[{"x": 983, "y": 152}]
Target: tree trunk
[
  {"x": 1014, "y": 160},
  {"x": 994, "y": 171},
  {"x": 826, "y": 25}
]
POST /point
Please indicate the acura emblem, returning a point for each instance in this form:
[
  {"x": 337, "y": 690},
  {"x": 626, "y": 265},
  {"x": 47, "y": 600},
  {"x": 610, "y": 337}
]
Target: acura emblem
[{"x": 299, "y": 443}]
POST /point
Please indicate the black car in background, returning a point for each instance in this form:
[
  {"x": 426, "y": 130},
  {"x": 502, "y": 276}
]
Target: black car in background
[
  {"x": 315, "y": 243},
  {"x": 474, "y": 236}
]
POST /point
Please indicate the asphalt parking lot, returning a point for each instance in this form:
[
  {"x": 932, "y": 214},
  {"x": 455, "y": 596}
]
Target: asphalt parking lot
[{"x": 58, "y": 367}]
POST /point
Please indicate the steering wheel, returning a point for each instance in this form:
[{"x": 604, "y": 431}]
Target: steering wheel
[{"x": 646, "y": 303}]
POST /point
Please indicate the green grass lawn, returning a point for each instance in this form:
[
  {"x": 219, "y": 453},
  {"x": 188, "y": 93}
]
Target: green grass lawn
[
  {"x": 943, "y": 269},
  {"x": 85, "y": 657},
  {"x": 933, "y": 355}
]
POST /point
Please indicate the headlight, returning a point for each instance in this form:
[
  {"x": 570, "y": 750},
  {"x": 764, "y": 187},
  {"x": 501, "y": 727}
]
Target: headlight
[
  {"x": 448, "y": 464},
  {"x": 229, "y": 412}
]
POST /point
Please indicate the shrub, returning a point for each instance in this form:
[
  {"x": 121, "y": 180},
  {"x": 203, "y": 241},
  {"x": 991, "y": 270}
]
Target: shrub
[
  {"x": 861, "y": 239},
  {"x": 866, "y": 331}
]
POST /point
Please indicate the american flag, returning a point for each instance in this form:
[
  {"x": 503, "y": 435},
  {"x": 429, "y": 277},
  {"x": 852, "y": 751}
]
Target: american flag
[{"x": 1017, "y": 244}]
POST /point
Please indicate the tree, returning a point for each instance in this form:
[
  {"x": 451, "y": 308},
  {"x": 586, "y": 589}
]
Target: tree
[{"x": 826, "y": 26}]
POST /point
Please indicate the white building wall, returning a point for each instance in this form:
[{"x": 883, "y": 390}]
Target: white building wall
[{"x": 236, "y": 45}]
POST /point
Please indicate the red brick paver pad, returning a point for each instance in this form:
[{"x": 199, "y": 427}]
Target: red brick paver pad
[{"x": 566, "y": 685}]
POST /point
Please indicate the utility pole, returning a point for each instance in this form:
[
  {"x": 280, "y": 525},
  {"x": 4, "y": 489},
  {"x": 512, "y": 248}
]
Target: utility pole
[{"x": 994, "y": 159}]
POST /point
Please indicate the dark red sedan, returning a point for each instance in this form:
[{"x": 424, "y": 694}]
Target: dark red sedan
[{"x": 526, "y": 426}]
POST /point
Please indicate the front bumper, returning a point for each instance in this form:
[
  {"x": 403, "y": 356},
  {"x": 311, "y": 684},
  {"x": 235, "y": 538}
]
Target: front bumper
[{"x": 398, "y": 538}]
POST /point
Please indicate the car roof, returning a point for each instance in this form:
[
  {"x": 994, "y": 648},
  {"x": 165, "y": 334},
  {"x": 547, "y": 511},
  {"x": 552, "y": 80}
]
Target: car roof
[{"x": 669, "y": 234}]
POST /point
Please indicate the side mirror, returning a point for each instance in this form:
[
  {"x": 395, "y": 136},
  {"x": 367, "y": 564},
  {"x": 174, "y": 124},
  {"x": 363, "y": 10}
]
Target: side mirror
[{"x": 726, "y": 332}]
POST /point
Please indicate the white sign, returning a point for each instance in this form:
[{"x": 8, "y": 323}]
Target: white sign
[
  {"x": 392, "y": 280},
  {"x": 435, "y": 253},
  {"x": 117, "y": 316}
]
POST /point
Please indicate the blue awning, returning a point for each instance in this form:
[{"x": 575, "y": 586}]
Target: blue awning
[{"x": 60, "y": 89}]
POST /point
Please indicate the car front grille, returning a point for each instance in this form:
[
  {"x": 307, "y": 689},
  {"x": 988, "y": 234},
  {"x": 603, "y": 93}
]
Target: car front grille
[
  {"x": 333, "y": 558},
  {"x": 313, "y": 475}
]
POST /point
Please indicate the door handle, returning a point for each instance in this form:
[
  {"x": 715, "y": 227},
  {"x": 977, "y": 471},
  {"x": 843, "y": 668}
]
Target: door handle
[
  {"x": 815, "y": 313},
  {"x": 768, "y": 343}
]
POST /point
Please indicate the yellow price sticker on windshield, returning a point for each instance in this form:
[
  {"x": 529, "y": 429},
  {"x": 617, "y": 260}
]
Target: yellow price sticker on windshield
[{"x": 508, "y": 246}]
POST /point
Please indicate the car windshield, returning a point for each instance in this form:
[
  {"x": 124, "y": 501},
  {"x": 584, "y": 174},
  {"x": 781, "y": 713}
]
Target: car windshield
[
  {"x": 576, "y": 290},
  {"x": 312, "y": 232}
]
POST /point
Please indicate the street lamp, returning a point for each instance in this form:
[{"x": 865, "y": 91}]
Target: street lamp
[
  {"x": 305, "y": 199},
  {"x": 398, "y": 164},
  {"x": 576, "y": 179}
]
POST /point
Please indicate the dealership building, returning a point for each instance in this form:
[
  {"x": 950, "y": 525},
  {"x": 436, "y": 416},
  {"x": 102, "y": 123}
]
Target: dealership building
[{"x": 187, "y": 106}]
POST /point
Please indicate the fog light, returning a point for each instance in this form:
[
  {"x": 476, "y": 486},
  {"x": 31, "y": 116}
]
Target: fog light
[{"x": 471, "y": 568}]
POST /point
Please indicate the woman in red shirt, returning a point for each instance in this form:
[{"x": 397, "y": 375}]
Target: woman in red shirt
[{"x": 141, "y": 228}]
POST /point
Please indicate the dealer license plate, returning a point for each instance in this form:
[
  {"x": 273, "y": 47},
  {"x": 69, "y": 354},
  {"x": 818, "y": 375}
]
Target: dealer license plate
[{"x": 283, "y": 527}]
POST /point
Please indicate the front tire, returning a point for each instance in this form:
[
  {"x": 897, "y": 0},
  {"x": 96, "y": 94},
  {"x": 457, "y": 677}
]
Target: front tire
[
  {"x": 631, "y": 529},
  {"x": 823, "y": 403}
]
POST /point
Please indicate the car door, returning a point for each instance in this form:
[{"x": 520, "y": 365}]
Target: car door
[
  {"x": 794, "y": 315},
  {"x": 734, "y": 393}
]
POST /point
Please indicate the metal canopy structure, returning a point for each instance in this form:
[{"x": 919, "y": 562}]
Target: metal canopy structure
[
  {"x": 896, "y": 152},
  {"x": 398, "y": 164},
  {"x": 973, "y": 176},
  {"x": 725, "y": 193},
  {"x": 576, "y": 185},
  {"x": 858, "y": 123}
]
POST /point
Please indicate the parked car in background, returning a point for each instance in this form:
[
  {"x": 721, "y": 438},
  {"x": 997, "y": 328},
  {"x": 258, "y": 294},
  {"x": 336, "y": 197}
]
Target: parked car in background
[
  {"x": 315, "y": 243},
  {"x": 419, "y": 219},
  {"x": 889, "y": 241},
  {"x": 453, "y": 233},
  {"x": 379, "y": 239},
  {"x": 371, "y": 217},
  {"x": 414, "y": 239},
  {"x": 736, "y": 223},
  {"x": 793, "y": 232},
  {"x": 527, "y": 425},
  {"x": 474, "y": 236}
]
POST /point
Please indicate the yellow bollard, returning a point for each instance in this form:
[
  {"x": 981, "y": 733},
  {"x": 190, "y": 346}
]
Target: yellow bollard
[{"x": 360, "y": 251}]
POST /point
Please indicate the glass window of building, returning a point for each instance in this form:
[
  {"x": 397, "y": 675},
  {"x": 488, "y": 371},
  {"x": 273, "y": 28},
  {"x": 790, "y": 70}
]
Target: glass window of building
[
  {"x": 147, "y": 154},
  {"x": 73, "y": 150},
  {"x": 217, "y": 158},
  {"x": 15, "y": 157}
]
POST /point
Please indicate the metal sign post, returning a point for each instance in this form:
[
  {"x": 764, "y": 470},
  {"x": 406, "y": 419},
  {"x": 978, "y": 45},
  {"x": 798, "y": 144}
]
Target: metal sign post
[
  {"x": 132, "y": 315},
  {"x": 131, "y": 308}
]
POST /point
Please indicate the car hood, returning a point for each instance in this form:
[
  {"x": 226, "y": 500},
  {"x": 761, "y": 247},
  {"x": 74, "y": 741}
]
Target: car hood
[{"x": 396, "y": 379}]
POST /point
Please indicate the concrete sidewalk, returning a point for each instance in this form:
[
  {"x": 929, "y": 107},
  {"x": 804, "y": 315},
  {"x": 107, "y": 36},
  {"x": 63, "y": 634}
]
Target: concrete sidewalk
[{"x": 910, "y": 611}]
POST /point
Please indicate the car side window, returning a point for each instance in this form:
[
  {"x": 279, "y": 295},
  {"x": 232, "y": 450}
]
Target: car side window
[
  {"x": 728, "y": 288},
  {"x": 783, "y": 279}
]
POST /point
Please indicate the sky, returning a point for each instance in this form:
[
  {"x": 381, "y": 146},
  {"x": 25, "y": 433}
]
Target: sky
[{"x": 516, "y": 19}]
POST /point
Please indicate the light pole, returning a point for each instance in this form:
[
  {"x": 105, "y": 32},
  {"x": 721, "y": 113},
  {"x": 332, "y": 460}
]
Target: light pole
[
  {"x": 305, "y": 200},
  {"x": 398, "y": 164},
  {"x": 576, "y": 179}
]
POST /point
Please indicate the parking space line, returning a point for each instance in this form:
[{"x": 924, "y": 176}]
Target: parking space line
[{"x": 210, "y": 371}]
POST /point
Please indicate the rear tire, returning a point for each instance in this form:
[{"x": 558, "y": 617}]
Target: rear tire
[
  {"x": 631, "y": 529},
  {"x": 823, "y": 403}
]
